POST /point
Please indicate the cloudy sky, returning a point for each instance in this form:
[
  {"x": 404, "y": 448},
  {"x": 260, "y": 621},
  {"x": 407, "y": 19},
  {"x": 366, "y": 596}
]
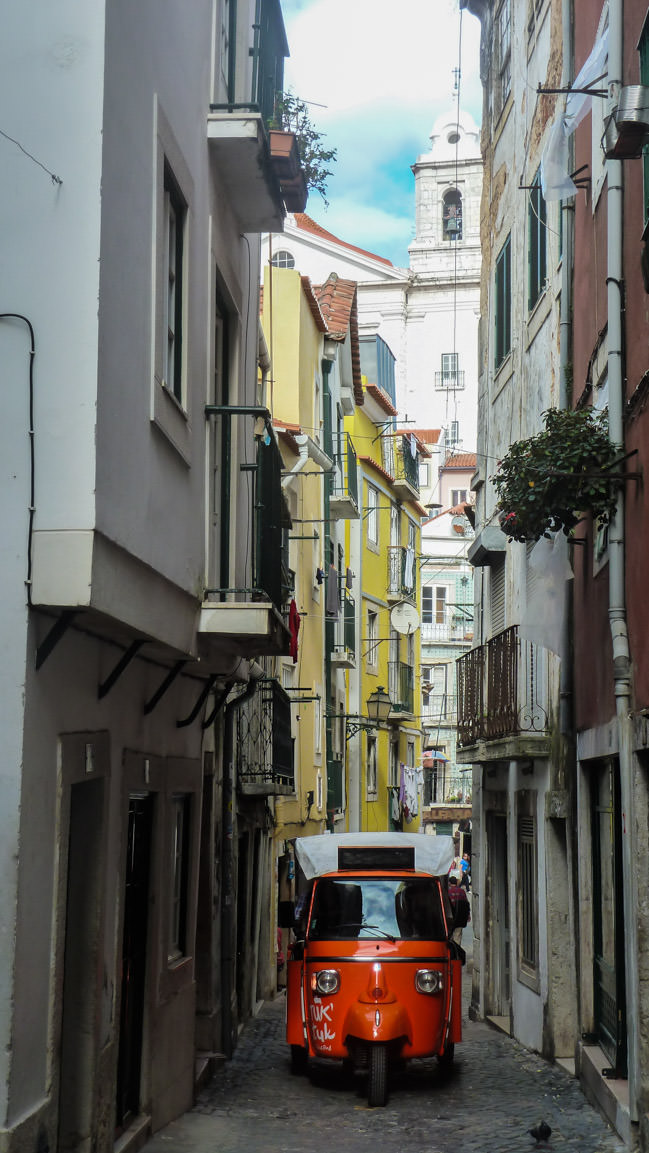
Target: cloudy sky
[{"x": 383, "y": 74}]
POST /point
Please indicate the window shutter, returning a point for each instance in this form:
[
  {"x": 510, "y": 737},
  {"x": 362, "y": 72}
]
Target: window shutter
[{"x": 497, "y": 598}]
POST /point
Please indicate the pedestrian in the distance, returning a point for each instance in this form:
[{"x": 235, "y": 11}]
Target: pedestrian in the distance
[{"x": 459, "y": 907}]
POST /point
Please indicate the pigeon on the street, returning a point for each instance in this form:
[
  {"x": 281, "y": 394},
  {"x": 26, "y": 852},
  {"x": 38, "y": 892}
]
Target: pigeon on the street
[{"x": 540, "y": 1132}]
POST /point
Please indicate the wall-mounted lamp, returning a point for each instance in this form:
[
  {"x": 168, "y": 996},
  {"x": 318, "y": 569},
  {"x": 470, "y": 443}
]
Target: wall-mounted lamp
[{"x": 379, "y": 707}]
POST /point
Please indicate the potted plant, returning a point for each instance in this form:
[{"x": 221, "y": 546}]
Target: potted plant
[
  {"x": 291, "y": 122},
  {"x": 547, "y": 482}
]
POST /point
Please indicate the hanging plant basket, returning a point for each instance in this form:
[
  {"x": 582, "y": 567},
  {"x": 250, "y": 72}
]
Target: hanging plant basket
[{"x": 545, "y": 484}]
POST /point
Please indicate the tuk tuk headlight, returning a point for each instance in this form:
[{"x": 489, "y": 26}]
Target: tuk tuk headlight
[
  {"x": 429, "y": 981},
  {"x": 325, "y": 982}
]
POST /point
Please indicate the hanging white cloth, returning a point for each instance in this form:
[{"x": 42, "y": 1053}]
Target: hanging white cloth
[
  {"x": 556, "y": 183},
  {"x": 408, "y": 568}
]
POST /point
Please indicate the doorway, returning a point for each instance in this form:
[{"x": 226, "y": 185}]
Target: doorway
[
  {"x": 83, "y": 936},
  {"x": 136, "y": 904},
  {"x": 499, "y": 937},
  {"x": 608, "y": 916}
]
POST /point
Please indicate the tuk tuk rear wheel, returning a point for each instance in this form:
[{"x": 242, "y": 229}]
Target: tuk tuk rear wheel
[
  {"x": 377, "y": 1081},
  {"x": 446, "y": 1058},
  {"x": 299, "y": 1060}
]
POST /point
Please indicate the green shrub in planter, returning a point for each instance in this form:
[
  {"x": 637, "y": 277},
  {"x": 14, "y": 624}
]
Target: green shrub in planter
[{"x": 546, "y": 483}]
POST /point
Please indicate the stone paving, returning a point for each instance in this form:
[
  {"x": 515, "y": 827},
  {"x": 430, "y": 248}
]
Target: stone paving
[{"x": 486, "y": 1103}]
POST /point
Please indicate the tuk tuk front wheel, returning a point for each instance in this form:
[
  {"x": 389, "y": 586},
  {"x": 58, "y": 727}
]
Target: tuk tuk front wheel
[
  {"x": 446, "y": 1058},
  {"x": 377, "y": 1081},
  {"x": 299, "y": 1060}
]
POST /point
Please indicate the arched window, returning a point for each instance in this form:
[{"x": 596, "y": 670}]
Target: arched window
[
  {"x": 283, "y": 259},
  {"x": 452, "y": 215}
]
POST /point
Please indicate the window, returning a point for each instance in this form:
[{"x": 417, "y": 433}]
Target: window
[
  {"x": 458, "y": 496},
  {"x": 537, "y": 243},
  {"x": 450, "y": 375},
  {"x": 503, "y": 304},
  {"x": 370, "y": 772},
  {"x": 452, "y": 215},
  {"x": 283, "y": 259},
  {"x": 372, "y": 637},
  {"x": 527, "y": 899},
  {"x": 179, "y": 876},
  {"x": 424, "y": 474},
  {"x": 175, "y": 211},
  {"x": 502, "y": 30},
  {"x": 372, "y": 514},
  {"x": 433, "y": 604}
]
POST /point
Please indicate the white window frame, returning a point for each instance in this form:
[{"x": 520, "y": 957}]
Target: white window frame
[
  {"x": 372, "y": 639},
  {"x": 371, "y": 770},
  {"x": 170, "y": 406},
  {"x": 372, "y": 519}
]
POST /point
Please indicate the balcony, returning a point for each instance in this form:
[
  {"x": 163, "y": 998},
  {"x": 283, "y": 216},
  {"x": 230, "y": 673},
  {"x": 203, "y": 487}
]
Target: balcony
[
  {"x": 262, "y": 177},
  {"x": 454, "y": 630},
  {"x": 341, "y": 634},
  {"x": 262, "y": 745},
  {"x": 406, "y": 469},
  {"x": 452, "y": 380},
  {"x": 401, "y": 681},
  {"x": 343, "y": 481},
  {"x": 402, "y": 573},
  {"x": 506, "y": 692},
  {"x": 335, "y": 786},
  {"x": 249, "y": 621}
]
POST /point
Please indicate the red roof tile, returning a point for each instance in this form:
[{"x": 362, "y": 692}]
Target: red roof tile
[
  {"x": 338, "y": 302},
  {"x": 314, "y": 306},
  {"x": 382, "y": 397},
  {"x": 378, "y": 468},
  {"x": 461, "y": 460},
  {"x": 308, "y": 225},
  {"x": 421, "y": 447}
]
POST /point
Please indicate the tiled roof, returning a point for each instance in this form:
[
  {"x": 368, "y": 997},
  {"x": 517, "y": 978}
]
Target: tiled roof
[
  {"x": 312, "y": 301},
  {"x": 421, "y": 447},
  {"x": 286, "y": 432},
  {"x": 308, "y": 225},
  {"x": 461, "y": 460},
  {"x": 338, "y": 302},
  {"x": 377, "y": 467},
  {"x": 428, "y": 435},
  {"x": 382, "y": 397}
]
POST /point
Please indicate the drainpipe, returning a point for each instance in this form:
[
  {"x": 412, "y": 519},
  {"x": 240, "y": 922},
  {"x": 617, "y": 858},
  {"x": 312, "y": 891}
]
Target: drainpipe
[
  {"x": 617, "y": 602},
  {"x": 308, "y": 450}
]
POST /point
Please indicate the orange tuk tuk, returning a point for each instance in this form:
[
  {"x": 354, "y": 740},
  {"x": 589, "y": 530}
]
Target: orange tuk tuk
[{"x": 373, "y": 975}]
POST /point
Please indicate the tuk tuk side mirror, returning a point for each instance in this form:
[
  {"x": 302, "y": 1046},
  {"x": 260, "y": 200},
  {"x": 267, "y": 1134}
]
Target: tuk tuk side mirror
[{"x": 286, "y": 915}]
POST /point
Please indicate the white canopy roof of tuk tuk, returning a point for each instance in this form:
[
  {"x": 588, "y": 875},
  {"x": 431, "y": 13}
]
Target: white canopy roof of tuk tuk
[{"x": 319, "y": 854}]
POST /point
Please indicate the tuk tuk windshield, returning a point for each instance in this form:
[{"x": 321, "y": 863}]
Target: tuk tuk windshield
[{"x": 370, "y": 908}]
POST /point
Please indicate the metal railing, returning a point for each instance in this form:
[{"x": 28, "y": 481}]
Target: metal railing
[
  {"x": 406, "y": 463},
  {"x": 504, "y": 689},
  {"x": 263, "y": 745},
  {"x": 402, "y": 572},
  {"x": 401, "y": 682},
  {"x": 344, "y": 477},
  {"x": 341, "y": 634},
  {"x": 449, "y": 379}
]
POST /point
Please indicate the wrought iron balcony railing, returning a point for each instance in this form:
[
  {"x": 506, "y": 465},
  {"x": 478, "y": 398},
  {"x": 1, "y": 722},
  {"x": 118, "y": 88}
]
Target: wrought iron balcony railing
[
  {"x": 504, "y": 689},
  {"x": 341, "y": 634},
  {"x": 401, "y": 681},
  {"x": 406, "y": 464},
  {"x": 450, "y": 379},
  {"x": 263, "y": 745},
  {"x": 402, "y": 572},
  {"x": 343, "y": 480},
  {"x": 335, "y": 785}
]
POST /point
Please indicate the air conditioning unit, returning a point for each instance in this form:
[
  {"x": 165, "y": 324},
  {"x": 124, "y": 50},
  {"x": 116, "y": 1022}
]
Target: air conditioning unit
[{"x": 626, "y": 130}]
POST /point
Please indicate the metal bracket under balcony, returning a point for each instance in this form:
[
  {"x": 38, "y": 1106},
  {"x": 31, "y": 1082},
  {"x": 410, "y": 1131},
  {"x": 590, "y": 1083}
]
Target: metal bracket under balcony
[
  {"x": 239, "y": 150},
  {"x": 243, "y": 621}
]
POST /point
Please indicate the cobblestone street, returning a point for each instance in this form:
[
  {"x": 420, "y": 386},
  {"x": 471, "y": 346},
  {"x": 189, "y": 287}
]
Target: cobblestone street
[{"x": 495, "y": 1092}]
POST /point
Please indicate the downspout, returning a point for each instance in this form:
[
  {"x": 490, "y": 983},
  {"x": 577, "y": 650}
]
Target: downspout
[
  {"x": 308, "y": 450},
  {"x": 617, "y": 602},
  {"x": 565, "y": 391}
]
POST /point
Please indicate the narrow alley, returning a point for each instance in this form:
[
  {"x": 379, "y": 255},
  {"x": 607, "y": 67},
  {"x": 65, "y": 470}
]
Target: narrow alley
[{"x": 486, "y": 1103}]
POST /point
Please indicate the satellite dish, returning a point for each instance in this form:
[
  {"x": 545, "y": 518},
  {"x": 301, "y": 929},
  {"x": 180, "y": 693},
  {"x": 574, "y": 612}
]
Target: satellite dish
[{"x": 404, "y": 618}]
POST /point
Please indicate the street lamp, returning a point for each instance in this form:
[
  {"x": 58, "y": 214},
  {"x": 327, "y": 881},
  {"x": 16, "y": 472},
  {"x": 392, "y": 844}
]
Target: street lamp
[{"x": 379, "y": 706}]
